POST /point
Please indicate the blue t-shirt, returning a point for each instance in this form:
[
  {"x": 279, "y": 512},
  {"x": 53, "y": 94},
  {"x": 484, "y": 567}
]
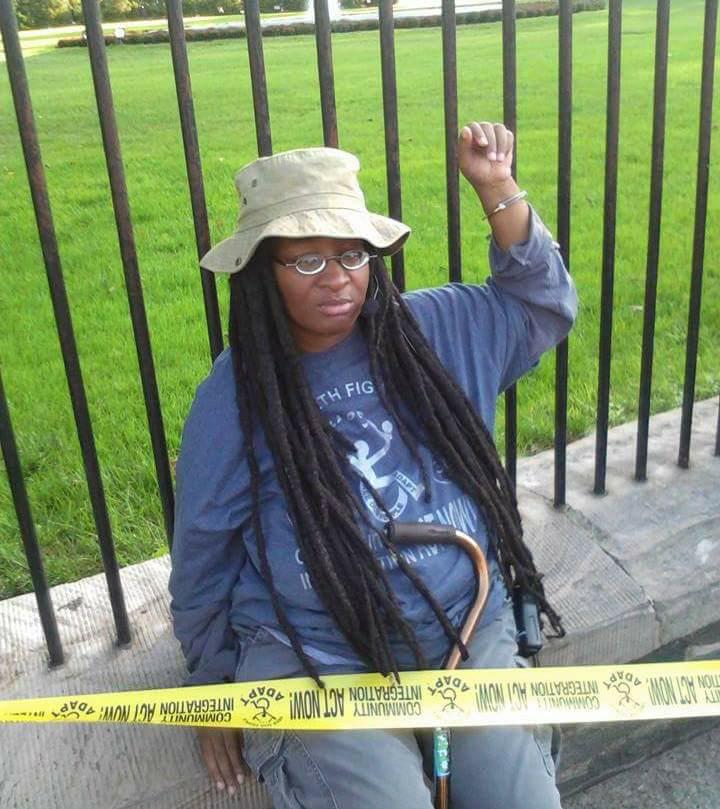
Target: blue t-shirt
[{"x": 486, "y": 336}]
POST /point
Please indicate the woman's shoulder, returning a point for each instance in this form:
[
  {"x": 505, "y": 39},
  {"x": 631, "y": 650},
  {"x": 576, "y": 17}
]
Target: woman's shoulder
[
  {"x": 219, "y": 383},
  {"x": 453, "y": 299},
  {"x": 214, "y": 407},
  {"x": 211, "y": 473}
]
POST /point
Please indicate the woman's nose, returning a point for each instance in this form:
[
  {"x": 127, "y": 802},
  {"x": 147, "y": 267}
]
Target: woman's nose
[{"x": 334, "y": 274}]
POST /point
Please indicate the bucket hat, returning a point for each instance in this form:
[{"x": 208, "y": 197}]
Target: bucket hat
[{"x": 300, "y": 194}]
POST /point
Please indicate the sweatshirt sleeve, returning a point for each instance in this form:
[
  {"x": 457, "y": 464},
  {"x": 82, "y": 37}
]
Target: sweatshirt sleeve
[
  {"x": 488, "y": 335},
  {"x": 536, "y": 296},
  {"x": 211, "y": 504}
]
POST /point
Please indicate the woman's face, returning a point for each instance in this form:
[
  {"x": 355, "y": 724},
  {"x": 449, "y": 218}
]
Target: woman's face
[{"x": 322, "y": 308}]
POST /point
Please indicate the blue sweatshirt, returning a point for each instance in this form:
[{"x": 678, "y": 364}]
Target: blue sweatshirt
[{"x": 486, "y": 336}]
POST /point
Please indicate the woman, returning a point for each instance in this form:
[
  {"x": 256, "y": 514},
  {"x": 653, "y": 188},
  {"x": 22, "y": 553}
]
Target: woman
[{"x": 339, "y": 406}]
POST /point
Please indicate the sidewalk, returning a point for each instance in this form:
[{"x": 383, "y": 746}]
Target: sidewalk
[{"x": 635, "y": 573}]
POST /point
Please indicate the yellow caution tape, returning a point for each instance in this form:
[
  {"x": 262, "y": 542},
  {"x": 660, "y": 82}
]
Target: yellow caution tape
[{"x": 419, "y": 699}]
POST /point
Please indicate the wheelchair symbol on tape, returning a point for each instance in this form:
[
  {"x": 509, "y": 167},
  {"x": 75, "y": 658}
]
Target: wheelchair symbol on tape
[
  {"x": 447, "y": 688},
  {"x": 261, "y": 699},
  {"x": 449, "y": 694},
  {"x": 625, "y": 685}
]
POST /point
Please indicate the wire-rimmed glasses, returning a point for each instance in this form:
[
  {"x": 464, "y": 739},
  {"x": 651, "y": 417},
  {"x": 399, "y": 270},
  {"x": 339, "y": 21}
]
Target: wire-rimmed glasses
[{"x": 313, "y": 263}]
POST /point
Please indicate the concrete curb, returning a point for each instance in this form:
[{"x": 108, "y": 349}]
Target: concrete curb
[{"x": 633, "y": 572}]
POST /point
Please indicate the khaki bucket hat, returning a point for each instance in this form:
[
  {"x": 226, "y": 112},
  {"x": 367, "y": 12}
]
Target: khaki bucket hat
[{"x": 300, "y": 194}]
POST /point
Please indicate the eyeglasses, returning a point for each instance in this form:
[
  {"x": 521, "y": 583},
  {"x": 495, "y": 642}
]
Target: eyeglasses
[{"x": 313, "y": 263}]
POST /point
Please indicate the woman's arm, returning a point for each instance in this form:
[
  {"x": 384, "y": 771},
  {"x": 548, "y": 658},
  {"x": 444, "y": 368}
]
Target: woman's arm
[
  {"x": 532, "y": 295},
  {"x": 533, "y": 298},
  {"x": 208, "y": 553},
  {"x": 488, "y": 335}
]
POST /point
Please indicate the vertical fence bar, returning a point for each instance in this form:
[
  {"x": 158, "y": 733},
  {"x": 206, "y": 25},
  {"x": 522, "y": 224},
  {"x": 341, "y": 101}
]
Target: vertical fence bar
[
  {"x": 118, "y": 189},
  {"x": 61, "y": 310},
  {"x": 193, "y": 169},
  {"x": 450, "y": 103},
  {"x": 253, "y": 32},
  {"x": 323, "y": 44},
  {"x": 651, "y": 276},
  {"x": 392, "y": 138},
  {"x": 608, "y": 259},
  {"x": 717, "y": 432},
  {"x": 27, "y": 532},
  {"x": 510, "y": 120},
  {"x": 509, "y": 55},
  {"x": 703, "y": 170},
  {"x": 563, "y": 231}
]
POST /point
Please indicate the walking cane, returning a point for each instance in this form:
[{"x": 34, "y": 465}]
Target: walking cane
[{"x": 431, "y": 534}]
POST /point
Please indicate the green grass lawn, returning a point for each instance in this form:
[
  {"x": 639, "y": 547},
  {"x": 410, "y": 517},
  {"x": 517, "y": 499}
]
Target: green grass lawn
[{"x": 147, "y": 116}]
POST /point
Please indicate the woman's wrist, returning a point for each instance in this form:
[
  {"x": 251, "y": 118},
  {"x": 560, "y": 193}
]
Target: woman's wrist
[
  {"x": 509, "y": 225},
  {"x": 491, "y": 195}
]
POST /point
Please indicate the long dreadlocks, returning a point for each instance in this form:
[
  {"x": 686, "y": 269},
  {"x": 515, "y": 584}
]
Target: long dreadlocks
[{"x": 310, "y": 459}]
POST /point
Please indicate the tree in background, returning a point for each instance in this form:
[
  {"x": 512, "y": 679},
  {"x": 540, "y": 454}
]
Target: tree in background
[
  {"x": 41, "y": 13},
  {"x": 116, "y": 9},
  {"x": 44, "y": 13}
]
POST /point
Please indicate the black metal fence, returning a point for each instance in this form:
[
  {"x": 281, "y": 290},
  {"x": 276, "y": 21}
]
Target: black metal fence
[{"x": 103, "y": 94}]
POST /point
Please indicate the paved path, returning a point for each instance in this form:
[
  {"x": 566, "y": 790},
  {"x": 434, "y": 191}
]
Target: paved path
[
  {"x": 687, "y": 776},
  {"x": 409, "y": 9}
]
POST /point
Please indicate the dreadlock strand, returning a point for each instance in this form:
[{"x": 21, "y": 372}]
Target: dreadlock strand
[
  {"x": 407, "y": 432},
  {"x": 246, "y": 422}
]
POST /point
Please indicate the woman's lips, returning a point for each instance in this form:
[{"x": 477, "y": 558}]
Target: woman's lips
[{"x": 337, "y": 308}]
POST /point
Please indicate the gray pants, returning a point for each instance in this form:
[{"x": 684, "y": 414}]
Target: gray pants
[{"x": 491, "y": 768}]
